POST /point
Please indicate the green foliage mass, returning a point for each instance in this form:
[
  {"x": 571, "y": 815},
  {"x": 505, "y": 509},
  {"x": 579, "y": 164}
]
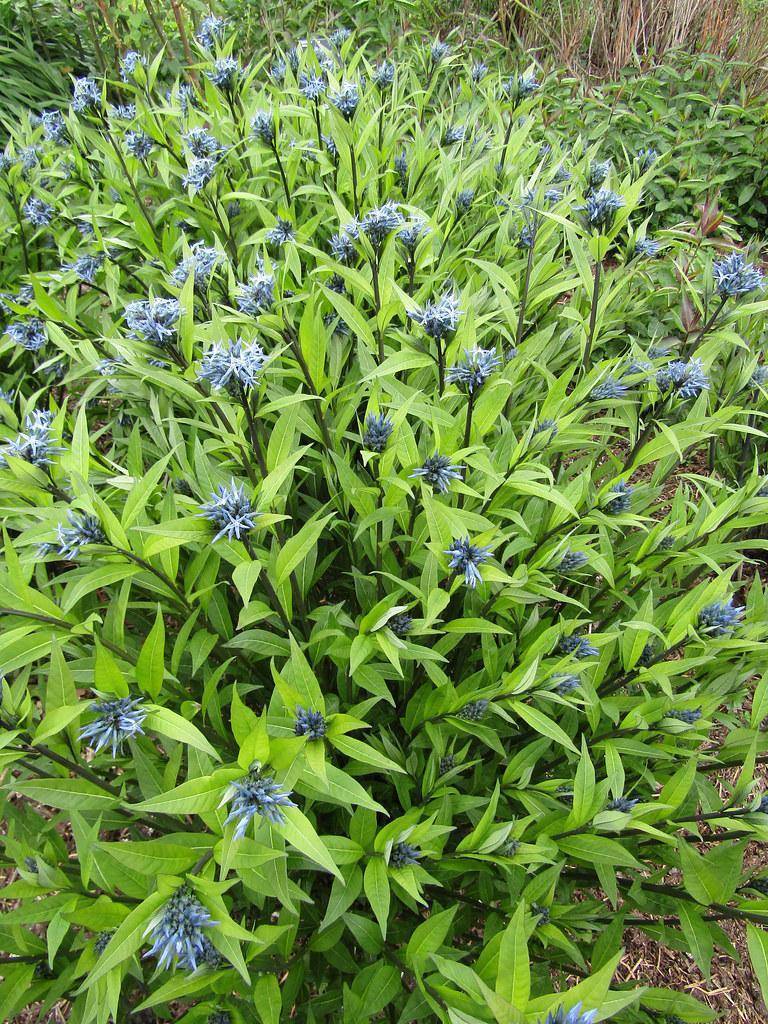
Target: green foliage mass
[{"x": 333, "y": 735}]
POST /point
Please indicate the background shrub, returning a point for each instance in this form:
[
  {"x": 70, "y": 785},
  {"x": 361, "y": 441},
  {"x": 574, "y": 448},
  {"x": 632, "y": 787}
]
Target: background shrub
[{"x": 382, "y": 504}]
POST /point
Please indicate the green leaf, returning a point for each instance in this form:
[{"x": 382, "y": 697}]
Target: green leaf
[
  {"x": 539, "y": 721},
  {"x": 169, "y": 724},
  {"x": 150, "y": 667},
  {"x": 376, "y": 887},
  {"x": 427, "y": 937},
  {"x": 68, "y": 794},
  {"x": 513, "y": 979},
  {"x": 297, "y": 547},
  {"x": 757, "y": 944},
  {"x": 299, "y": 832},
  {"x": 127, "y": 939}
]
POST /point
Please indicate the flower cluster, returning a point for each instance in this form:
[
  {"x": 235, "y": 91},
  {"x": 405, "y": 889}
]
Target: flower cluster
[
  {"x": 231, "y": 510},
  {"x": 466, "y": 558},
  {"x": 177, "y": 932},
  {"x": 116, "y": 721},
  {"x": 233, "y": 365},
  {"x": 253, "y": 795}
]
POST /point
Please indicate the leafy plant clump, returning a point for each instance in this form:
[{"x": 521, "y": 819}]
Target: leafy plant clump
[{"x": 381, "y": 505}]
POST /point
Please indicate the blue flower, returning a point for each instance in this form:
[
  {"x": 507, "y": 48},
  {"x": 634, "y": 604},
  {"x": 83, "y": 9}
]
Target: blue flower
[
  {"x": 473, "y": 371},
  {"x": 211, "y": 31},
  {"x": 384, "y": 74},
  {"x": 263, "y": 127},
  {"x": 346, "y": 99},
  {"x": 621, "y": 803},
  {"x": 116, "y": 721},
  {"x": 438, "y": 52},
  {"x": 86, "y": 267},
  {"x": 257, "y": 294},
  {"x": 598, "y": 173},
  {"x": 54, "y": 127},
  {"x": 646, "y": 158},
  {"x": 332, "y": 149},
  {"x": 520, "y": 87},
  {"x": 439, "y": 318},
  {"x": 256, "y": 794},
  {"x": 201, "y": 263},
  {"x": 200, "y": 170},
  {"x": 479, "y": 71},
  {"x": 378, "y": 430},
  {"x": 309, "y": 723},
  {"x": 281, "y": 233},
  {"x": 454, "y": 133},
  {"x": 224, "y": 73},
  {"x": 467, "y": 557},
  {"x": 683, "y": 379},
  {"x": 546, "y": 426},
  {"x": 567, "y": 682},
  {"x": 83, "y": 529},
  {"x": 153, "y": 320},
  {"x": 30, "y": 334},
  {"x": 404, "y": 855},
  {"x": 572, "y": 1016},
  {"x": 201, "y": 143},
  {"x": 401, "y": 625},
  {"x": 438, "y": 471},
  {"x": 130, "y": 61},
  {"x": 343, "y": 248},
  {"x": 410, "y": 235},
  {"x": 578, "y": 646},
  {"x": 735, "y": 277},
  {"x": 464, "y": 201},
  {"x": 177, "y": 932},
  {"x": 720, "y": 618},
  {"x": 602, "y": 207},
  {"x": 689, "y": 717},
  {"x": 187, "y": 97},
  {"x": 38, "y": 212},
  {"x": 379, "y": 222},
  {"x": 233, "y": 365},
  {"x": 138, "y": 144},
  {"x": 475, "y": 711},
  {"x": 35, "y": 443},
  {"x": 647, "y": 248},
  {"x": 572, "y": 560},
  {"x": 85, "y": 94},
  {"x": 759, "y": 378},
  {"x": 622, "y": 500},
  {"x": 277, "y": 70},
  {"x": 608, "y": 389},
  {"x": 340, "y": 35},
  {"x": 29, "y": 157},
  {"x": 401, "y": 167},
  {"x": 447, "y": 764},
  {"x": 553, "y": 195},
  {"x": 231, "y": 510},
  {"x": 311, "y": 86}
]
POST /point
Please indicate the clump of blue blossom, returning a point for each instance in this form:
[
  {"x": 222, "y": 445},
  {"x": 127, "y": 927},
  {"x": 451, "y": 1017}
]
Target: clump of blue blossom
[
  {"x": 683, "y": 379},
  {"x": 735, "y": 277},
  {"x": 720, "y": 618},
  {"x": 253, "y": 795},
  {"x": 438, "y": 471},
  {"x": 404, "y": 855},
  {"x": 577, "y": 645},
  {"x": 378, "y": 430},
  {"x": 153, "y": 320},
  {"x": 474, "y": 370},
  {"x": 83, "y": 529},
  {"x": 258, "y": 293},
  {"x": 177, "y": 932},
  {"x": 440, "y": 318},
  {"x": 35, "y": 444},
  {"x": 231, "y": 510},
  {"x": 233, "y": 366},
  {"x": 466, "y": 558},
  {"x": 309, "y": 723},
  {"x": 29, "y": 334},
  {"x": 117, "y": 720},
  {"x": 201, "y": 263}
]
